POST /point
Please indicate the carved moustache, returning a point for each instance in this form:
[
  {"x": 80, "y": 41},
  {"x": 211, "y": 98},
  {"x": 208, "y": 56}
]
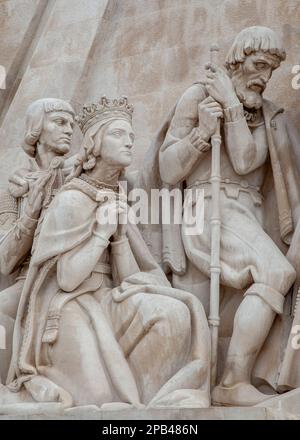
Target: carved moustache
[{"x": 256, "y": 85}]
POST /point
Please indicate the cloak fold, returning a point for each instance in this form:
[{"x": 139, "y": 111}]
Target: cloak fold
[
  {"x": 281, "y": 191},
  {"x": 66, "y": 226}
]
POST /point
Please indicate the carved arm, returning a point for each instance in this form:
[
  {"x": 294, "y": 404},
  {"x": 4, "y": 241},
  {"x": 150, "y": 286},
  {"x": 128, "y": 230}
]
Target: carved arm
[
  {"x": 244, "y": 151},
  {"x": 123, "y": 259}
]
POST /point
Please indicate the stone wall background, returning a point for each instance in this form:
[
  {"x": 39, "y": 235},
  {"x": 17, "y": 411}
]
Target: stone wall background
[{"x": 149, "y": 50}]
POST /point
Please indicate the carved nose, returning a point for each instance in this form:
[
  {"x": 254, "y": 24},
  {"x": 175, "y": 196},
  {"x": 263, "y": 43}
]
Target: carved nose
[
  {"x": 266, "y": 76},
  {"x": 129, "y": 144},
  {"x": 68, "y": 129}
]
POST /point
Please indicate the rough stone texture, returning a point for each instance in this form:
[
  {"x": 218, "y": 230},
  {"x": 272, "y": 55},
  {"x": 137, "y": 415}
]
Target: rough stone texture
[
  {"x": 92, "y": 413},
  {"x": 53, "y": 69},
  {"x": 19, "y": 22},
  {"x": 149, "y": 346},
  {"x": 288, "y": 402},
  {"x": 149, "y": 50},
  {"x": 214, "y": 413}
]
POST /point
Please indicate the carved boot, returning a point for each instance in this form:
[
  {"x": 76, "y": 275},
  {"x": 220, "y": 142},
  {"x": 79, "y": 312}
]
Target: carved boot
[
  {"x": 43, "y": 389},
  {"x": 252, "y": 324},
  {"x": 241, "y": 394}
]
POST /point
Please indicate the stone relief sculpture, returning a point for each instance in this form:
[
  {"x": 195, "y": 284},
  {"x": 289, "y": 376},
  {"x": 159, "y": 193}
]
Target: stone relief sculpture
[
  {"x": 92, "y": 319},
  {"x": 98, "y": 322},
  {"x": 259, "y": 170},
  {"x": 49, "y": 127}
]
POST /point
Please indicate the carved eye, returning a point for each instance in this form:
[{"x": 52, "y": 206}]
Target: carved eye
[
  {"x": 59, "y": 121},
  {"x": 260, "y": 65},
  {"x": 117, "y": 133}
]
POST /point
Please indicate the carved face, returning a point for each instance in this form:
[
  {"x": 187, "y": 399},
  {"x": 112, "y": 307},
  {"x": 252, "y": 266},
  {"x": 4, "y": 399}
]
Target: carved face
[
  {"x": 57, "y": 131},
  {"x": 251, "y": 77},
  {"x": 117, "y": 142}
]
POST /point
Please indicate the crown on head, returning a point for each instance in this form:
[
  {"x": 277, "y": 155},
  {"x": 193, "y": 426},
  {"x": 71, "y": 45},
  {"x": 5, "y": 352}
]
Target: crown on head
[{"x": 104, "y": 109}]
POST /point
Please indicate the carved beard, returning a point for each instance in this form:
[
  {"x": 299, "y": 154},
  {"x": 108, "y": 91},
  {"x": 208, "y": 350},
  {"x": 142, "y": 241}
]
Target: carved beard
[{"x": 250, "y": 98}]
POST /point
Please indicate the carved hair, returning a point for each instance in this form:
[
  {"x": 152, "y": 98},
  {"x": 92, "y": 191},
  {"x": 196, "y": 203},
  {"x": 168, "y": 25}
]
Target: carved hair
[
  {"x": 254, "y": 39},
  {"x": 35, "y": 117}
]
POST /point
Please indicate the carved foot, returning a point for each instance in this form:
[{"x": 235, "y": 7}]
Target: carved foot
[
  {"x": 241, "y": 394},
  {"x": 44, "y": 390}
]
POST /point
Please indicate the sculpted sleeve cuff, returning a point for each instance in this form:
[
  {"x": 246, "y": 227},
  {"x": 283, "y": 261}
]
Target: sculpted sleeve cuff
[
  {"x": 197, "y": 139},
  {"x": 182, "y": 154},
  {"x": 101, "y": 240},
  {"x": 233, "y": 114},
  {"x": 187, "y": 152},
  {"x": 123, "y": 258},
  {"x": 119, "y": 246},
  {"x": 26, "y": 225},
  {"x": 16, "y": 244}
]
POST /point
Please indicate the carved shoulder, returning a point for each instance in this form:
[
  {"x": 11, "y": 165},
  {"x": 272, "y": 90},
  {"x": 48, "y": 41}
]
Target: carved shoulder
[
  {"x": 73, "y": 206},
  {"x": 187, "y": 108}
]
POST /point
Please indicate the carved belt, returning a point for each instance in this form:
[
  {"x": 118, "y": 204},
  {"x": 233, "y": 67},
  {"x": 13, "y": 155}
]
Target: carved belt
[
  {"x": 62, "y": 298},
  {"x": 231, "y": 189}
]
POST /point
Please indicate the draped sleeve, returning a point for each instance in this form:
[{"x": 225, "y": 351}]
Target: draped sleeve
[{"x": 69, "y": 222}]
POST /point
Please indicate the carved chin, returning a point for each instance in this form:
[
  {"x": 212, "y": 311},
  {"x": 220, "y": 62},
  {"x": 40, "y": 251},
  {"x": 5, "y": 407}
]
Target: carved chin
[
  {"x": 62, "y": 149},
  {"x": 250, "y": 99},
  {"x": 126, "y": 162},
  {"x": 125, "y": 159}
]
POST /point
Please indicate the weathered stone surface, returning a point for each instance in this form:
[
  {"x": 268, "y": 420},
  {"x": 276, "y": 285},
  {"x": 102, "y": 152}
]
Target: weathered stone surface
[
  {"x": 92, "y": 413},
  {"x": 116, "y": 333},
  {"x": 287, "y": 403},
  {"x": 153, "y": 52}
]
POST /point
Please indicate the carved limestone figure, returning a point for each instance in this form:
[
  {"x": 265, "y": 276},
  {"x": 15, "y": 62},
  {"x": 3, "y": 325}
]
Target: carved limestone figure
[
  {"x": 259, "y": 173},
  {"x": 49, "y": 127},
  {"x": 98, "y": 322}
]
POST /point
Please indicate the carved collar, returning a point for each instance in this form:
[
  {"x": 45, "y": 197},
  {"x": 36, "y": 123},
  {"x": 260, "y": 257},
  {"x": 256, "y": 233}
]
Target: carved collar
[
  {"x": 253, "y": 117},
  {"x": 95, "y": 193},
  {"x": 97, "y": 184}
]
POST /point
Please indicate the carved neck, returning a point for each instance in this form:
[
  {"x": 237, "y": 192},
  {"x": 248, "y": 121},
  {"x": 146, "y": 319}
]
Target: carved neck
[
  {"x": 105, "y": 173},
  {"x": 44, "y": 156}
]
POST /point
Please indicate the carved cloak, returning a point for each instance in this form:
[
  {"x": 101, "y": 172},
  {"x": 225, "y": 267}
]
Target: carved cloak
[
  {"x": 281, "y": 193},
  {"x": 67, "y": 225}
]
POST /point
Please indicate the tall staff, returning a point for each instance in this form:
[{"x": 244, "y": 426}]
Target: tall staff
[{"x": 215, "y": 226}]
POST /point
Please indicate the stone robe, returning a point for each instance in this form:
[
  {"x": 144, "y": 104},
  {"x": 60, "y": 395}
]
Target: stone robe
[
  {"x": 258, "y": 216},
  {"x": 16, "y": 242},
  {"x": 114, "y": 338}
]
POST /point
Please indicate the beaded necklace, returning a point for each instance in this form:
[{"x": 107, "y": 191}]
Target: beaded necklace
[{"x": 98, "y": 184}]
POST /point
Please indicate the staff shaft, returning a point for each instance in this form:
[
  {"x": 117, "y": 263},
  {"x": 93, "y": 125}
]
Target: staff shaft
[{"x": 215, "y": 226}]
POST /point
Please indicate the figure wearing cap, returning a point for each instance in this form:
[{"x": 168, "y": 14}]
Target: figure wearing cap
[
  {"x": 111, "y": 331},
  {"x": 259, "y": 203}
]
